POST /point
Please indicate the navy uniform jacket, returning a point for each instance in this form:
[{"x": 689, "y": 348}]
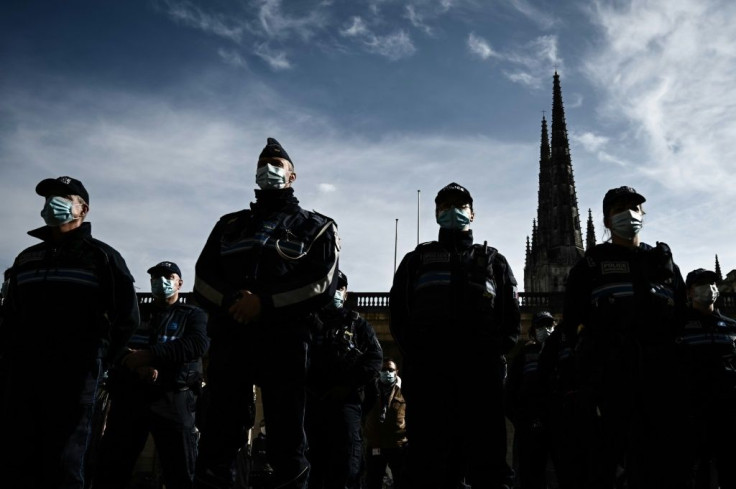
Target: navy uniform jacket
[
  {"x": 70, "y": 301},
  {"x": 526, "y": 394},
  {"x": 449, "y": 295},
  {"x": 709, "y": 344},
  {"x": 177, "y": 336},
  {"x": 615, "y": 293},
  {"x": 284, "y": 254},
  {"x": 344, "y": 352}
]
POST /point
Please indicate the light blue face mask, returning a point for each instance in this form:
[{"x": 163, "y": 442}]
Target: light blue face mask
[
  {"x": 163, "y": 287},
  {"x": 271, "y": 177},
  {"x": 626, "y": 224},
  {"x": 338, "y": 300},
  {"x": 57, "y": 211},
  {"x": 453, "y": 218},
  {"x": 388, "y": 377}
]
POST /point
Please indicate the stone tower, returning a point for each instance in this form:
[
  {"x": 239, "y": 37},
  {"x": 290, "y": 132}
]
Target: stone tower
[{"x": 556, "y": 243}]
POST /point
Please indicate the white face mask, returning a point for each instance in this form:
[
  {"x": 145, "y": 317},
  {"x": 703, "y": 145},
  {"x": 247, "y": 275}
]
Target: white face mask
[
  {"x": 271, "y": 177},
  {"x": 705, "y": 294},
  {"x": 626, "y": 224}
]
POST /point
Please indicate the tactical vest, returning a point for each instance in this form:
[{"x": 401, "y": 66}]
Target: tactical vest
[
  {"x": 632, "y": 294},
  {"x": 453, "y": 288}
]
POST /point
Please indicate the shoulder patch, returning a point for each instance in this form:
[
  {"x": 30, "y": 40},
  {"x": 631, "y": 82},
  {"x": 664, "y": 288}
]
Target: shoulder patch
[
  {"x": 614, "y": 267},
  {"x": 435, "y": 257}
]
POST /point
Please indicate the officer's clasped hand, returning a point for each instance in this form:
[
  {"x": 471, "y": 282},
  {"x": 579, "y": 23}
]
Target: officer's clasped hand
[
  {"x": 247, "y": 308},
  {"x": 137, "y": 358}
]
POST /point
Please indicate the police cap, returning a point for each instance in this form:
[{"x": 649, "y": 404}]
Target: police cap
[
  {"x": 454, "y": 190},
  {"x": 62, "y": 186},
  {"x": 274, "y": 150},
  {"x": 165, "y": 266},
  {"x": 542, "y": 318},
  {"x": 619, "y": 193},
  {"x": 342, "y": 280},
  {"x": 700, "y": 275}
]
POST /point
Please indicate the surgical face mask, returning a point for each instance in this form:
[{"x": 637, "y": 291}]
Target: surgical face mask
[
  {"x": 338, "y": 300},
  {"x": 163, "y": 287},
  {"x": 626, "y": 224},
  {"x": 453, "y": 218},
  {"x": 705, "y": 294},
  {"x": 58, "y": 211},
  {"x": 541, "y": 334},
  {"x": 388, "y": 377},
  {"x": 271, "y": 177}
]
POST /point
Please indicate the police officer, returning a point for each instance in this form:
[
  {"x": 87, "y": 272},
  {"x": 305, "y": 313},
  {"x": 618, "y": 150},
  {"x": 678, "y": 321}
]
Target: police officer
[
  {"x": 345, "y": 356},
  {"x": 261, "y": 275},
  {"x": 529, "y": 405},
  {"x": 71, "y": 308},
  {"x": 154, "y": 388},
  {"x": 455, "y": 314},
  {"x": 622, "y": 309},
  {"x": 709, "y": 340}
]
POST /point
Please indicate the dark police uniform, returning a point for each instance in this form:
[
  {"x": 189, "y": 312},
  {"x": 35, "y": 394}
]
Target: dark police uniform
[
  {"x": 176, "y": 335},
  {"x": 709, "y": 344},
  {"x": 528, "y": 410},
  {"x": 289, "y": 258},
  {"x": 345, "y": 355},
  {"x": 454, "y": 314},
  {"x": 623, "y": 310},
  {"x": 71, "y": 308}
]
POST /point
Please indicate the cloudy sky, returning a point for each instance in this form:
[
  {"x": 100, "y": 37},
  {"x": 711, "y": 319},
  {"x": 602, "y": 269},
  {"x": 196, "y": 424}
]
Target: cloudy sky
[{"x": 161, "y": 108}]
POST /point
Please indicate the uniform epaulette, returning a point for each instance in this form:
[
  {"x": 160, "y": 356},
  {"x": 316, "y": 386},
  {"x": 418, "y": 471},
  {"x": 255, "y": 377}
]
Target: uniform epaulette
[
  {"x": 228, "y": 218},
  {"x": 326, "y": 218}
]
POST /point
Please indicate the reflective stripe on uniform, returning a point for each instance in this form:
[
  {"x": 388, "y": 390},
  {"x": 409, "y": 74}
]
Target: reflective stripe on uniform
[
  {"x": 306, "y": 292},
  {"x": 69, "y": 275},
  {"x": 207, "y": 291},
  {"x": 618, "y": 289}
]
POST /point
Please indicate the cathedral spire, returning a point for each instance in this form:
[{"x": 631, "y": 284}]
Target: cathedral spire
[
  {"x": 590, "y": 232},
  {"x": 557, "y": 242},
  {"x": 718, "y": 271}
]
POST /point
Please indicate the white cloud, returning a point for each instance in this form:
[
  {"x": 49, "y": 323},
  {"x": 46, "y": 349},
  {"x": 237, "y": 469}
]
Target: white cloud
[
  {"x": 190, "y": 15},
  {"x": 232, "y": 57},
  {"x": 668, "y": 70},
  {"x": 528, "y": 64},
  {"x": 393, "y": 46},
  {"x": 480, "y": 47},
  {"x": 589, "y": 141},
  {"x": 326, "y": 187},
  {"x": 356, "y": 28},
  {"x": 277, "y": 60},
  {"x": 417, "y": 20},
  {"x": 278, "y": 25},
  {"x": 541, "y": 18}
]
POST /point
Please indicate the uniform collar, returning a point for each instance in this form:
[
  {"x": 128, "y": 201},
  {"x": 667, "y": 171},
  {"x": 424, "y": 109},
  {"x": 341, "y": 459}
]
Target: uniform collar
[
  {"x": 270, "y": 200},
  {"x": 45, "y": 233},
  {"x": 456, "y": 239}
]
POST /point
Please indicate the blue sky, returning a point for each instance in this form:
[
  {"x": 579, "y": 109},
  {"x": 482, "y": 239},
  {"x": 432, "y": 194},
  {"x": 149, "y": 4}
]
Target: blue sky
[{"x": 161, "y": 108}]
